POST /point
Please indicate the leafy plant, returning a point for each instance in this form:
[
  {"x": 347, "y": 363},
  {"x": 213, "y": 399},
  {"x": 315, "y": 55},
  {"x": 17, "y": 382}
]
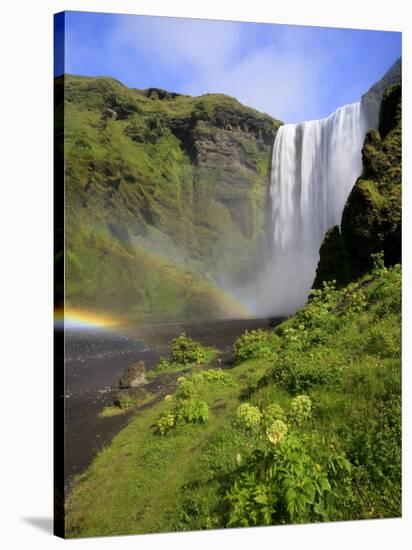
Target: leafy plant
[
  {"x": 299, "y": 373},
  {"x": 186, "y": 351},
  {"x": 276, "y": 431},
  {"x": 378, "y": 264},
  {"x": 249, "y": 416},
  {"x": 185, "y": 411},
  {"x": 185, "y": 388},
  {"x": 256, "y": 344},
  {"x": 215, "y": 377},
  {"x": 355, "y": 299},
  {"x": 191, "y": 411},
  {"x": 284, "y": 484},
  {"x": 273, "y": 412},
  {"x": 301, "y": 409},
  {"x": 165, "y": 423},
  {"x": 387, "y": 293}
]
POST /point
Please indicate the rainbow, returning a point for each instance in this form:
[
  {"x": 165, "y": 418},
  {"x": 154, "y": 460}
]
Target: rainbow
[
  {"x": 82, "y": 319},
  {"x": 229, "y": 305}
]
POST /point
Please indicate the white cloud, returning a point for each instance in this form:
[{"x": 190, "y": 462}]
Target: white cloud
[
  {"x": 283, "y": 84},
  {"x": 281, "y": 76},
  {"x": 176, "y": 43}
]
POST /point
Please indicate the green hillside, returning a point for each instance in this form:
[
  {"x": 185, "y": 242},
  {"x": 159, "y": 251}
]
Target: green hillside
[
  {"x": 164, "y": 197},
  {"x": 305, "y": 427}
]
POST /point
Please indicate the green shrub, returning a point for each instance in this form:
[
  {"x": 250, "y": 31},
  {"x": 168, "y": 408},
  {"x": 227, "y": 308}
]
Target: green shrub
[
  {"x": 387, "y": 294},
  {"x": 166, "y": 423},
  {"x": 163, "y": 365},
  {"x": 378, "y": 264},
  {"x": 254, "y": 379},
  {"x": 249, "y": 416},
  {"x": 166, "y": 366},
  {"x": 256, "y": 344},
  {"x": 284, "y": 484},
  {"x": 354, "y": 299},
  {"x": 314, "y": 323},
  {"x": 191, "y": 411},
  {"x": 185, "y": 411},
  {"x": 271, "y": 413},
  {"x": 294, "y": 336},
  {"x": 301, "y": 409},
  {"x": 326, "y": 296},
  {"x": 276, "y": 431},
  {"x": 318, "y": 336},
  {"x": 185, "y": 388},
  {"x": 215, "y": 377},
  {"x": 187, "y": 352},
  {"x": 299, "y": 373}
]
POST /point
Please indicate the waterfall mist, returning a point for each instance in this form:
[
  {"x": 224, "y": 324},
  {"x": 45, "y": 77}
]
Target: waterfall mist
[{"x": 314, "y": 167}]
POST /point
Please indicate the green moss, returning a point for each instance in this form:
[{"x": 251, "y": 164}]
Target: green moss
[{"x": 371, "y": 193}]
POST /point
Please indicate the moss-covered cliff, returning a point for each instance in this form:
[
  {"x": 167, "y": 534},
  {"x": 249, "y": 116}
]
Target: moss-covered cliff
[
  {"x": 164, "y": 195},
  {"x": 371, "y": 220}
]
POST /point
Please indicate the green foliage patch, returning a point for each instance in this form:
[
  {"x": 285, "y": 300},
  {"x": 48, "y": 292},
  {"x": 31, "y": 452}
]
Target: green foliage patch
[
  {"x": 284, "y": 483},
  {"x": 186, "y": 351},
  {"x": 216, "y": 378},
  {"x": 249, "y": 416},
  {"x": 256, "y": 344},
  {"x": 185, "y": 411},
  {"x": 185, "y": 354}
]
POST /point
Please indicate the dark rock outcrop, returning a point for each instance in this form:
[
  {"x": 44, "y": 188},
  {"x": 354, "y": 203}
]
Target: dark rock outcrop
[{"x": 134, "y": 376}]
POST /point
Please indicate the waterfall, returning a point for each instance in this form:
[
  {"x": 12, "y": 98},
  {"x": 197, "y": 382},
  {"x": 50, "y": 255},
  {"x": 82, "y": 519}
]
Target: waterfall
[{"x": 314, "y": 167}]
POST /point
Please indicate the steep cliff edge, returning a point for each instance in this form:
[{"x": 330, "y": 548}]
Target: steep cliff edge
[
  {"x": 371, "y": 220},
  {"x": 164, "y": 197},
  {"x": 373, "y": 97}
]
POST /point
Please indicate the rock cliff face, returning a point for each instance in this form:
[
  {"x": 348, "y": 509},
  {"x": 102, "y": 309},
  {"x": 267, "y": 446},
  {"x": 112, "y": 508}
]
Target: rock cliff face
[
  {"x": 164, "y": 197},
  {"x": 371, "y": 220},
  {"x": 373, "y": 97}
]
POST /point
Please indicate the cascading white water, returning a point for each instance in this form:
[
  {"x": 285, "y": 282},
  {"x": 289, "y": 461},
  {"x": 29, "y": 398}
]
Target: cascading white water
[{"x": 314, "y": 167}]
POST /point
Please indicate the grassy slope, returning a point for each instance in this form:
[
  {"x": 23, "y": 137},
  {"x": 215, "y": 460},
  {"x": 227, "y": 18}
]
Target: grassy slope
[
  {"x": 160, "y": 190},
  {"x": 343, "y": 350}
]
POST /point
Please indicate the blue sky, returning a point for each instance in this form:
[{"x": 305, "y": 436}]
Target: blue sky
[{"x": 294, "y": 73}]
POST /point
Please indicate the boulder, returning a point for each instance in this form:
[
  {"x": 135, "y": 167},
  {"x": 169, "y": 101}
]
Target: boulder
[{"x": 134, "y": 376}]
